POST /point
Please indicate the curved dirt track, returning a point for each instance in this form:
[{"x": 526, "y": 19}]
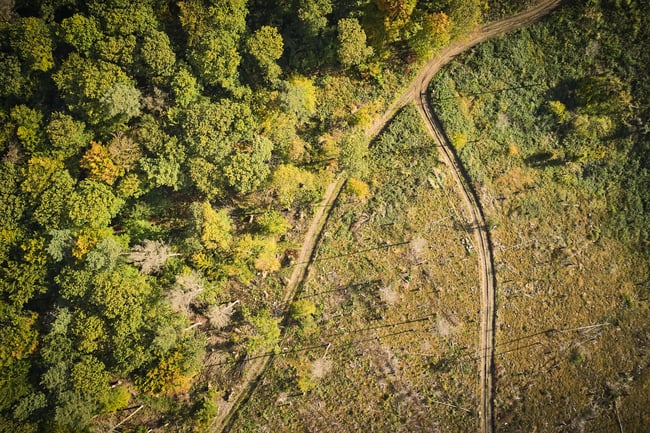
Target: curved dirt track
[
  {"x": 421, "y": 82},
  {"x": 416, "y": 91}
]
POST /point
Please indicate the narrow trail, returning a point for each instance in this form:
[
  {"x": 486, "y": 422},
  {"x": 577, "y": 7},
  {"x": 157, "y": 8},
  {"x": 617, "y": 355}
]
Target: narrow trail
[
  {"x": 416, "y": 91},
  {"x": 257, "y": 366}
]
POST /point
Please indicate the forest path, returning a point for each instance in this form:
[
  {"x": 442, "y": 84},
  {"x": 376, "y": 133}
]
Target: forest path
[
  {"x": 416, "y": 91},
  {"x": 258, "y": 365}
]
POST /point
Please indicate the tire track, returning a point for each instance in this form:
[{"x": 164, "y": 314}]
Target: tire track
[
  {"x": 258, "y": 366},
  {"x": 470, "y": 197}
]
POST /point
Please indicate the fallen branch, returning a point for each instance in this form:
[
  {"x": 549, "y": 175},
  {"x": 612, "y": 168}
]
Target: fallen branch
[{"x": 126, "y": 419}]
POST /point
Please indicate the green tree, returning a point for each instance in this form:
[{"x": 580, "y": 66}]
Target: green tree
[
  {"x": 213, "y": 37},
  {"x": 39, "y": 175},
  {"x": 212, "y": 129},
  {"x": 157, "y": 55},
  {"x": 96, "y": 90},
  {"x": 125, "y": 18},
  {"x": 119, "y": 50},
  {"x": 81, "y": 32},
  {"x": 185, "y": 87},
  {"x": 266, "y": 46},
  {"x": 13, "y": 83},
  {"x": 215, "y": 226},
  {"x": 466, "y": 15},
  {"x": 272, "y": 223},
  {"x": 266, "y": 332},
  {"x": 352, "y": 50},
  {"x": 93, "y": 205},
  {"x": 247, "y": 171},
  {"x": 291, "y": 183},
  {"x": 18, "y": 334},
  {"x": 121, "y": 102},
  {"x": 299, "y": 97},
  {"x": 28, "y": 127},
  {"x": 67, "y": 135},
  {"x": 32, "y": 41},
  {"x": 123, "y": 298},
  {"x": 20, "y": 281},
  {"x": 51, "y": 210},
  {"x": 313, "y": 14}
]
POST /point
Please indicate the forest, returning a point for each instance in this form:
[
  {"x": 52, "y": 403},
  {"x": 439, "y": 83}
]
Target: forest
[{"x": 161, "y": 160}]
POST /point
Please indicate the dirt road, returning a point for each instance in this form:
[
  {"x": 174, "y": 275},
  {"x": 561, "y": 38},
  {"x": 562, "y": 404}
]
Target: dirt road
[
  {"x": 418, "y": 91},
  {"x": 415, "y": 92},
  {"x": 256, "y": 367}
]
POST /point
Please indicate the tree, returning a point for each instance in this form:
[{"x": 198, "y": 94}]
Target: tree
[
  {"x": 39, "y": 175},
  {"x": 206, "y": 177},
  {"x": 396, "y": 16},
  {"x": 291, "y": 183},
  {"x": 354, "y": 154},
  {"x": 185, "y": 87},
  {"x": 352, "y": 50},
  {"x": 13, "y": 83},
  {"x": 124, "y": 152},
  {"x": 157, "y": 55},
  {"x": 150, "y": 256},
  {"x": 121, "y": 103},
  {"x": 99, "y": 164},
  {"x": 247, "y": 171},
  {"x": 119, "y": 50},
  {"x": 213, "y": 39},
  {"x": 266, "y": 333},
  {"x": 313, "y": 14},
  {"x": 18, "y": 334},
  {"x": 89, "y": 331},
  {"x": 299, "y": 97},
  {"x": 173, "y": 371},
  {"x": 52, "y": 203},
  {"x": 433, "y": 32},
  {"x": 28, "y": 127},
  {"x": 121, "y": 297},
  {"x": 81, "y": 32},
  {"x": 212, "y": 129},
  {"x": 125, "y": 18},
  {"x": 97, "y": 91},
  {"x": 272, "y": 223},
  {"x": 20, "y": 281},
  {"x": 93, "y": 205},
  {"x": 105, "y": 255},
  {"x": 67, "y": 135},
  {"x": 266, "y": 45},
  {"x": 32, "y": 41},
  {"x": 215, "y": 226}
]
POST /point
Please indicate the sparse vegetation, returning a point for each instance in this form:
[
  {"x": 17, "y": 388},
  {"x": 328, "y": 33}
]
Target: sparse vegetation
[
  {"x": 558, "y": 161},
  {"x": 393, "y": 295}
]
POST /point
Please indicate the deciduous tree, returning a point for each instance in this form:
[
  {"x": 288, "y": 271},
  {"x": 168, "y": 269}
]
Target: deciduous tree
[{"x": 352, "y": 49}]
